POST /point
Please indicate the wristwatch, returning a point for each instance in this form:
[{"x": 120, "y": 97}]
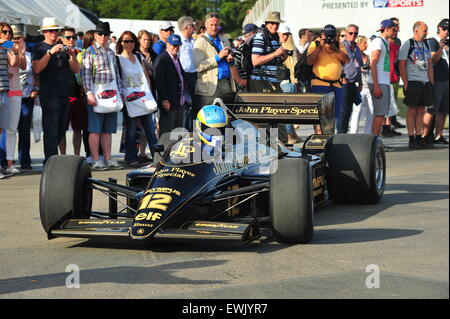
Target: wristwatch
[{"x": 49, "y": 53}]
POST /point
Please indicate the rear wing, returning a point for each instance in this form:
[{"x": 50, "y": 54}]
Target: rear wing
[{"x": 286, "y": 108}]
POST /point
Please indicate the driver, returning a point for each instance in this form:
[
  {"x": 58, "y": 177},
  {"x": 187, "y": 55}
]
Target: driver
[{"x": 210, "y": 124}]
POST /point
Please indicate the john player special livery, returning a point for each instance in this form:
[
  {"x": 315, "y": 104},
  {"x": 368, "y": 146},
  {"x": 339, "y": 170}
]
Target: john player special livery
[{"x": 227, "y": 180}]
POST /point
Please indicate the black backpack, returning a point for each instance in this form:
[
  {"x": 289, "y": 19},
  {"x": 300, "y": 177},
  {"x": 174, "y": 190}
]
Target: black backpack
[
  {"x": 411, "y": 49},
  {"x": 246, "y": 57},
  {"x": 302, "y": 71}
]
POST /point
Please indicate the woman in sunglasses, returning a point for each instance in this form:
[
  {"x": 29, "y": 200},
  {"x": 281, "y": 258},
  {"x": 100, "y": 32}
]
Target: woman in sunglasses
[
  {"x": 137, "y": 94},
  {"x": 13, "y": 105}
]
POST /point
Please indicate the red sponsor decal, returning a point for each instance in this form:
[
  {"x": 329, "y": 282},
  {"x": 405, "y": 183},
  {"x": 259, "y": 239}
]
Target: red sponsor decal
[{"x": 405, "y": 3}]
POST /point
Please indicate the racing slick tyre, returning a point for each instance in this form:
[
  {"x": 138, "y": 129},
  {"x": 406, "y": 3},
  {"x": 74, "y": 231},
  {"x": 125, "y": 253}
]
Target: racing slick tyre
[
  {"x": 291, "y": 201},
  {"x": 64, "y": 191},
  {"x": 356, "y": 169}
]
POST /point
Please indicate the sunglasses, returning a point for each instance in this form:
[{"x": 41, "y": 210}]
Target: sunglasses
[
  {"x": 7, "y": 31},
  {"x": 128, "y": 41},
  {"x": 101, "y": 34},
  {"x": 444, "y": 28},
  {"x": 212, "y": 15},
  {"x": 70, "y": 37},
  {"x": 353, "y": 33},
  {"x": 342, "y": 35}
]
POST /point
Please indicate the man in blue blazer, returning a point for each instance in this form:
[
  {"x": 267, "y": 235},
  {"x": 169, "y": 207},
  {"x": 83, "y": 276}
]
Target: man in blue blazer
[{"x": 171, "y": 86}]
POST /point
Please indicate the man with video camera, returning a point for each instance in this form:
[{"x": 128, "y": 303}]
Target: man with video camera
[
  {"x": 214, "y": 64},
  {"x": 53, "y": 64},
  {"x": 327, "y": 57},
  {"x": 268, "y": 57}
]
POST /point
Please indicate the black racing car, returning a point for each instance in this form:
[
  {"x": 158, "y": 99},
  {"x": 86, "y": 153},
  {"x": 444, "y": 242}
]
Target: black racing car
[{"x": 187, "y": 197}]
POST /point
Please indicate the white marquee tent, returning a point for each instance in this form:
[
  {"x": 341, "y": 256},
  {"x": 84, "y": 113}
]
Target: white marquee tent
[{"x": 29, "y": 14}]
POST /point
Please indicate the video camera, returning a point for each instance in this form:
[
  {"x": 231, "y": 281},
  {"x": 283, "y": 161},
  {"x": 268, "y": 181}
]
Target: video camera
[
  {"x": 331, "y": 40},
  {"x": 233, "y": 52},
  {"x": 290, "y": 52}
]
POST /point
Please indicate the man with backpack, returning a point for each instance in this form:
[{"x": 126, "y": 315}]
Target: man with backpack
[
  {"x": 416, "y": 71},
  {"x": 303, "y": 72},
  {"x": 439, "y": 110},
  {"x": 243, "y": 55}
]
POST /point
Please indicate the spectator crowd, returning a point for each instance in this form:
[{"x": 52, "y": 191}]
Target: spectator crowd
[{"x": 160, "y": 81}]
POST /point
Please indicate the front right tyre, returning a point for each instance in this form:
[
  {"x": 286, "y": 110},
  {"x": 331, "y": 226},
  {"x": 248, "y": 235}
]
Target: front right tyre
[{"x": 64, "y": 191}]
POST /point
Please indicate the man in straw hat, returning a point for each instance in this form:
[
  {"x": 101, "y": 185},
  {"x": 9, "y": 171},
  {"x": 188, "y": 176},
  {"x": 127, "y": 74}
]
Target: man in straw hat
[
  {"x": 267, "y": 56},
  {"x": 53, "y": 63}
]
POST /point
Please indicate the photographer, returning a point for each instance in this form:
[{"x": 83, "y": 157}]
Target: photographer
[
  {"x": 327, "y": 57},
  {"x": 54, "y": 65},
  {"x": 213, "y": 62},
  {"x": 267, "y": 57}
]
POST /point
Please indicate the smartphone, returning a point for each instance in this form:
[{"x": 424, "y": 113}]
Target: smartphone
[{"x": 7, "y": 44}]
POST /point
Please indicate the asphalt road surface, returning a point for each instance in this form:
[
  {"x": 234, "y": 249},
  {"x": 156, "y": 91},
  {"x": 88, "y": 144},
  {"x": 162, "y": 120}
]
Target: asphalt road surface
[{"x": 396, "y": 249}]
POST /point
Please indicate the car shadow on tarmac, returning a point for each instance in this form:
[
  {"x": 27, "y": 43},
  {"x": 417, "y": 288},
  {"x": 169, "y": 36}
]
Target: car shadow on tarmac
[
  {"x": 395, "y": 195},
  {"x": 158, "y": 274}
]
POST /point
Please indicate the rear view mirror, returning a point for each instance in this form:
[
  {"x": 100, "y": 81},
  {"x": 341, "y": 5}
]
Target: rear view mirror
[{"x": 158, "y": 148}]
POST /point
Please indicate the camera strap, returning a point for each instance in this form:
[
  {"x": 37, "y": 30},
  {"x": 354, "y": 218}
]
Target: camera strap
[{"x": 210, "y": 42}]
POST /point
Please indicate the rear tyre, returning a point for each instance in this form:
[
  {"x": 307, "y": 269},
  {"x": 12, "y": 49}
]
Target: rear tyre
[
  {"x": 291, "y": 201},
  {"x": 356, "y": 169},
  {"x": 64, "y": 191}
]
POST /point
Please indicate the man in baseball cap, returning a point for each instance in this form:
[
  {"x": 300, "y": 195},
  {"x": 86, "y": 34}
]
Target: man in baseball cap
[
  {"x": 386, "y": 24},
  {"x": 249, "y": 27},
  {"x": 174, "y": 40},
  {"x": 165, "y": 30}
]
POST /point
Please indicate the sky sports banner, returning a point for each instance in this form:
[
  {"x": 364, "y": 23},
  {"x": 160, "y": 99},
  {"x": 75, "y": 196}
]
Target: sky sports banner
[
  {"x": 344, "y": 4},
  {"x": 397, "y": 3}
]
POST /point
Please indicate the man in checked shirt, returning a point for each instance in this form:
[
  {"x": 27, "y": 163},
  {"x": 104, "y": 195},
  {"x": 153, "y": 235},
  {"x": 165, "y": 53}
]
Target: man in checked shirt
[{"x": 97, "y": 67}]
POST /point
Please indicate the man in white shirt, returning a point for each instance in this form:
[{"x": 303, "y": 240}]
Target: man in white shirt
[
  {"x": 305, "y": 39},
  {"x": 186, "y": 26},
  {"x": 379, "y": 82}
]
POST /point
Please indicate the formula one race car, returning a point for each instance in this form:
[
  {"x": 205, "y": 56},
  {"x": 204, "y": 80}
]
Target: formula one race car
[{"x": 198, "y": 191}]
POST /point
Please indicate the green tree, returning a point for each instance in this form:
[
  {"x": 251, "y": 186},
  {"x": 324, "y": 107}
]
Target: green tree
[{"x": 232, "y": 11}]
